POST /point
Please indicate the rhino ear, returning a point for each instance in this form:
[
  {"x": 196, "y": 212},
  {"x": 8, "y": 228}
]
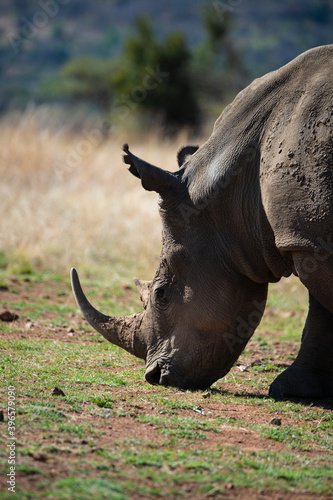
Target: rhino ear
[
  {"x": 152, "y": 178},
  {"x": 185, "y": 151},
  {"x": 144, "y": 290}
]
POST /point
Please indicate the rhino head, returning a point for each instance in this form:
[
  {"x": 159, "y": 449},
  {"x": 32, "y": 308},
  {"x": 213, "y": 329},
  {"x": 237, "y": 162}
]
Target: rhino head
[{"x": 199, "y": 309}]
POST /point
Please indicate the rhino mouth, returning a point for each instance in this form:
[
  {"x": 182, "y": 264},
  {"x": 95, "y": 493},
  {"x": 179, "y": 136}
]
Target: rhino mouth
[{"x": 159, "y": 374}]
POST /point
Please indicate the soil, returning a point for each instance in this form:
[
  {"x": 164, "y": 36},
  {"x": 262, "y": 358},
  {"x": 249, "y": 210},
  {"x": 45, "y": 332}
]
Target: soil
[{"x": 129, "y": 426}]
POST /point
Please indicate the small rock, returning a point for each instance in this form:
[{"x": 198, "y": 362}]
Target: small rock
[
  {"x": 199, "y": 410},
  {"x": 40, "y": 457},
  {"x": 275, "y": 421},
  {"x": 8, "y": 316},
  {"x": 243, "y": 368},
  {"x": 258, "y": 362},
  {"x": 229, "y": 486},
  {"x": 70, "y": 330},
  {"x": 57, "y": 392},
  {"x": 29, "y": 325},
  {"x": 206, "y": 395}
]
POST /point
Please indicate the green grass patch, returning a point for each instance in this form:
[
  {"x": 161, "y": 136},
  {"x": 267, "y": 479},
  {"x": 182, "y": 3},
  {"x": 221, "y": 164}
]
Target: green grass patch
[
  {"x": 74, "y": 488},
  {"x": 103, "y": 402},
  {"x": 111, "y": 435}
]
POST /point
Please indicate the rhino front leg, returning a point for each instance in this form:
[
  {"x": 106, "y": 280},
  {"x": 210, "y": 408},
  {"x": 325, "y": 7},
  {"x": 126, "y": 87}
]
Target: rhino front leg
[{"x": 311, "y": 374}]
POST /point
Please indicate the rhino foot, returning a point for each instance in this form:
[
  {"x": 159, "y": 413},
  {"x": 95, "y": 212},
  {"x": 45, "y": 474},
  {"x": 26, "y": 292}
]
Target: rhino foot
[{"x": 299, "y": 382}]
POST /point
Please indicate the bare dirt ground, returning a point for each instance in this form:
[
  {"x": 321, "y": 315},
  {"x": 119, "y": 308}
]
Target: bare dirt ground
[{"x": 129, "y": 426}]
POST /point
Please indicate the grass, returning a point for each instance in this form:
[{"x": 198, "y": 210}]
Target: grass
[
  {"x": 111, "y": 435},
  {"x": 80, "y": 206}
]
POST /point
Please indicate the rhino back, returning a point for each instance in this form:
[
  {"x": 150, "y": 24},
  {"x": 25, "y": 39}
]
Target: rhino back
[
  {"x": 273, "y": 145},
  {"x": 297, "y": 157}
]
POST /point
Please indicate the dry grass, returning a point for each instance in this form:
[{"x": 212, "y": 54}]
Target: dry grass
[{"x": 66, "y": 198}]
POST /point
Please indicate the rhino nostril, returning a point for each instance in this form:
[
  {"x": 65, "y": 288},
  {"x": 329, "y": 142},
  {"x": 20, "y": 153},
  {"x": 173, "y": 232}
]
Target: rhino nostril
[
  {"x": 165, "y": 378},
  {"x": 153, "y": 375}
]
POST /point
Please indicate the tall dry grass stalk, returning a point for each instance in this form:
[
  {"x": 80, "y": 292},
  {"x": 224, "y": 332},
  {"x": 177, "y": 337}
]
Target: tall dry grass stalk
[{"x": 66, "y": 199}]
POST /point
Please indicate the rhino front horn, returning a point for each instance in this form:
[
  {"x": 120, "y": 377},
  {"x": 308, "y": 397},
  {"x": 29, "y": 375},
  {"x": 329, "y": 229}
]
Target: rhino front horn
[
  {"x": 152, "y": 178},
  {"x": 124, "y": 331}
]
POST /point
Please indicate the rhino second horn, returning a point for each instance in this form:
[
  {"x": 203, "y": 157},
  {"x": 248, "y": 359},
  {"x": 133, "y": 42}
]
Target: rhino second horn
[
  {"x": 122, "y": 331},
  {"x": 152, "y": 178},
  {"x": 144, "y": 290}
]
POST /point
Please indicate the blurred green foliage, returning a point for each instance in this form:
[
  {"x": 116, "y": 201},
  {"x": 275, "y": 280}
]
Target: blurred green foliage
[
  {"x": 88, "y": 78},
  {"x": 82, "y": 59},
  {"x": 155, "y": 76},
  {"x": 217, "y": 64},
  {"x": 163, "y": 80}
]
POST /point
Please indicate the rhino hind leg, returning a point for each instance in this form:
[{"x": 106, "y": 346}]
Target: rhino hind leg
[{"x": 311, "y": 374}]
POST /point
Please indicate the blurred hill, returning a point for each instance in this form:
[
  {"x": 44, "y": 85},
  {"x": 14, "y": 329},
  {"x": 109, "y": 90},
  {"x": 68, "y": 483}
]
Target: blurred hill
[{"x": 39, "y": 36}]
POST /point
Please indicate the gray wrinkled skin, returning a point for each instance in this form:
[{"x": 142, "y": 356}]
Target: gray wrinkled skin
[{"x": 252, "y": 204}]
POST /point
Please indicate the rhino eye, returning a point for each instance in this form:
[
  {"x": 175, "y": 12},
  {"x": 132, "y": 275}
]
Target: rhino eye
[
  {"x": 162, "y": 296},
  {"x": 160, "y": 293}
]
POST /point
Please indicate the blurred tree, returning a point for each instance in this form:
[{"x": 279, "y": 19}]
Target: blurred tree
[
  {"x": 217, "y": 23},
  {"x": 155, "y": 77},
  {"x": 88, "y": 79},
  {"x": 216, "y": 62},
  {"x": 161, "y": 79}
]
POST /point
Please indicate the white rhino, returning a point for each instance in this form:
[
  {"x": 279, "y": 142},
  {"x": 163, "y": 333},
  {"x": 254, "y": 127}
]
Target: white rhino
[{"x": 252, "y": 204}]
